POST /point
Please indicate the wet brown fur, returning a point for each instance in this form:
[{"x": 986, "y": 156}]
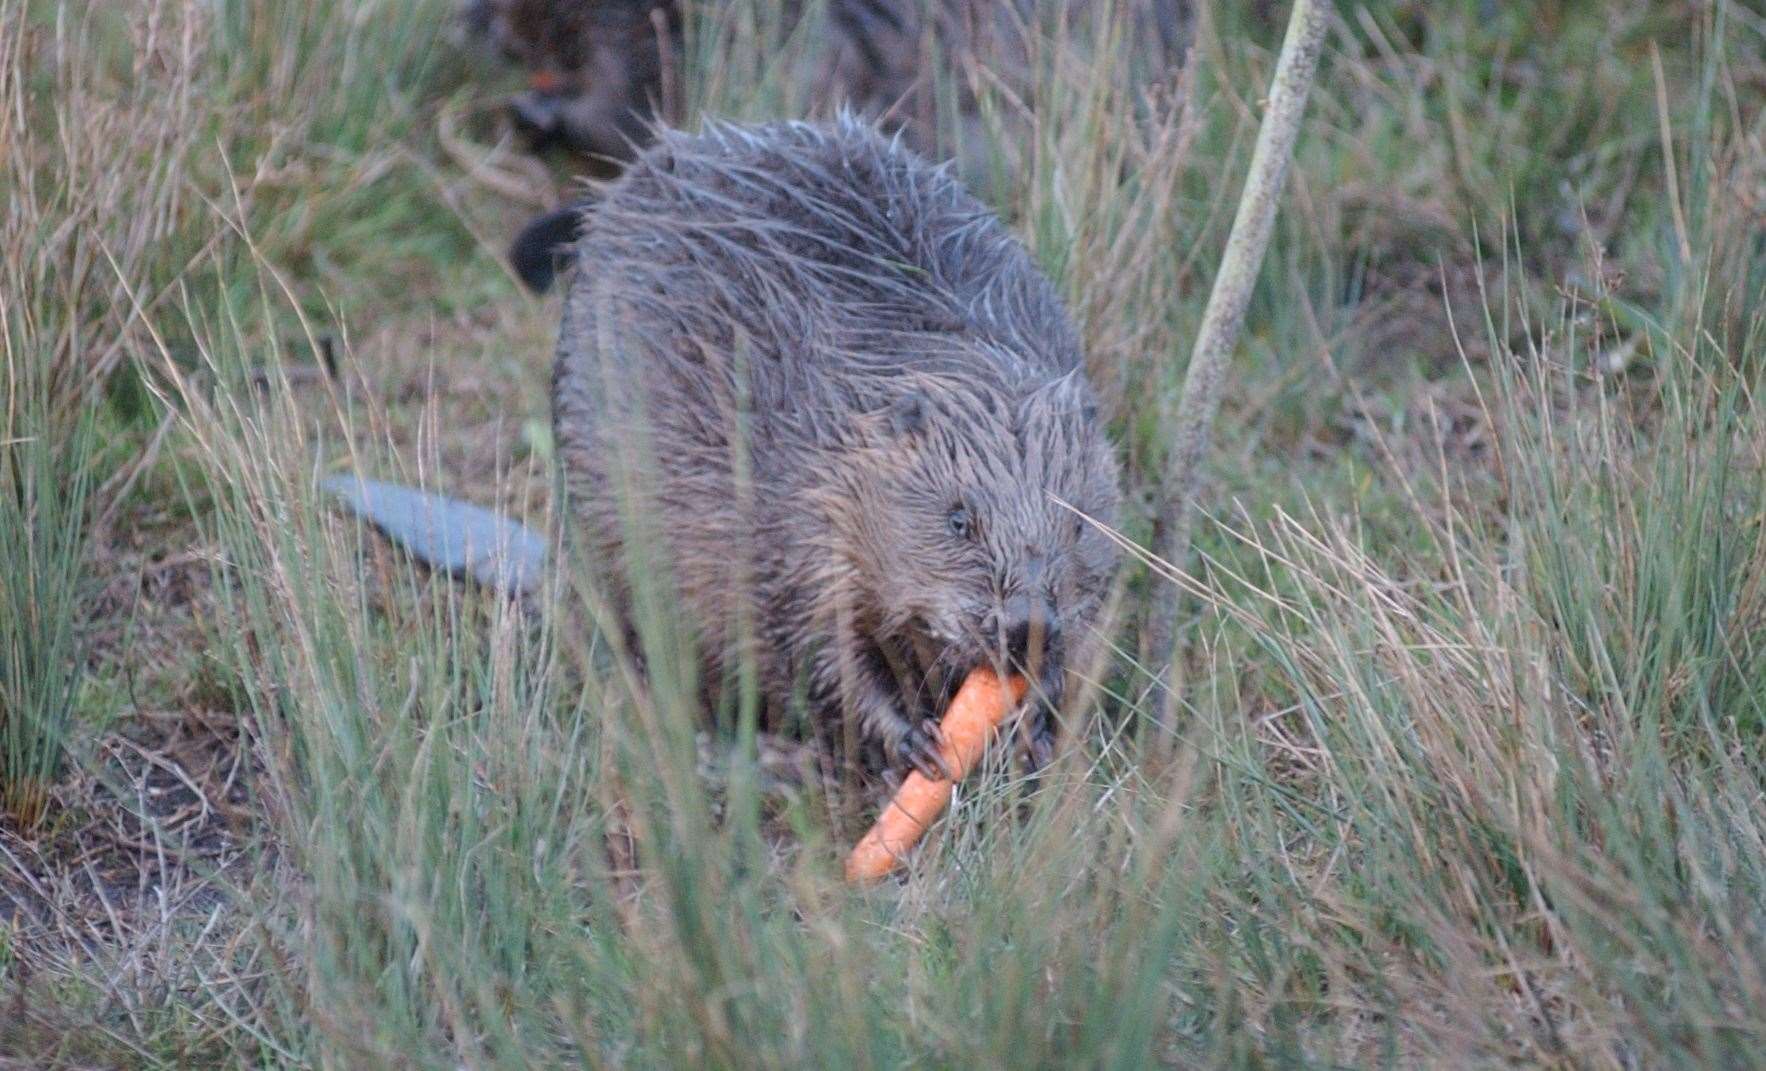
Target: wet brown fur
[{"x": 836, "y": 401}]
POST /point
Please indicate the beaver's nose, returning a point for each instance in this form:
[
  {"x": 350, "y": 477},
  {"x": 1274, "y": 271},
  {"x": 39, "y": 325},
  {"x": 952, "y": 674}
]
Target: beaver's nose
[{"x": 1030, "y": 627}]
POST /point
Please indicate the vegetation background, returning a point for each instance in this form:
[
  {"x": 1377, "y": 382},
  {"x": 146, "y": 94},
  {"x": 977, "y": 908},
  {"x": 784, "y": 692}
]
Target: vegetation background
[{"x": 1467, "y": 763}]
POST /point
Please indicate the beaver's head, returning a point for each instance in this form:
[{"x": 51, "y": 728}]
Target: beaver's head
[
  {"x": 978, "y": 533},
  {"x": 592, "y": 67}
]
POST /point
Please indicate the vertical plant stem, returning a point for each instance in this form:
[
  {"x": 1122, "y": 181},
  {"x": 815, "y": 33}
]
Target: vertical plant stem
[
  {"x": 1225, "y": 315},
  {"x": 1670, "y": 171}
]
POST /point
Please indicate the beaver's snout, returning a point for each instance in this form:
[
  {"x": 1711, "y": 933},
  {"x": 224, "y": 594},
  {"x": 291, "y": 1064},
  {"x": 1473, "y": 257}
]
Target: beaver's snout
[{"x": 1029, "y": 628}]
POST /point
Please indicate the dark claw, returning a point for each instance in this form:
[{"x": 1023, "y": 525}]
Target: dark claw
[
  {"x": 920, "y": 746},
  {"x": 1039, "y": 731}
]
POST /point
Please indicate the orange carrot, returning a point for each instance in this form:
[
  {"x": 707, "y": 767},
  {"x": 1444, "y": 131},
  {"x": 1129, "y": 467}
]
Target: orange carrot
[{"x": 976, "y": 712}]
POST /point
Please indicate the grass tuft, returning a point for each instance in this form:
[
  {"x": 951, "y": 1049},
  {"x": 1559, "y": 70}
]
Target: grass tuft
[{"x": 45, "y": 482}]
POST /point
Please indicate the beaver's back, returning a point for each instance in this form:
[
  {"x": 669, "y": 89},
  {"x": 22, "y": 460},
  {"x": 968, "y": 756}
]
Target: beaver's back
[{"x": 840, "y": 261}]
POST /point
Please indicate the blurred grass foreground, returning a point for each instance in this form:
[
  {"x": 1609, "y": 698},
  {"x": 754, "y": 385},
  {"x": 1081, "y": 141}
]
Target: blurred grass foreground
[{"x": 1466, "y": 766}]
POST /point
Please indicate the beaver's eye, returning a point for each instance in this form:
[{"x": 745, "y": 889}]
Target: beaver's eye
[{"x": 959, "y": 522}]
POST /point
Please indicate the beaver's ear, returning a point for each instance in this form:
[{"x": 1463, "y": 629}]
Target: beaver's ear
[{"x": 907, "y": 414}]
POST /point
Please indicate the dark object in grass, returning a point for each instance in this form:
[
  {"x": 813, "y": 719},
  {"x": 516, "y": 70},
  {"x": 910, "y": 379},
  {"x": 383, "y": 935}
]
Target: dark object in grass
[
  {"x": 843, "y": 406},
  {"x": 446, "y": 534},
  {"x": 328, "y": 353}
]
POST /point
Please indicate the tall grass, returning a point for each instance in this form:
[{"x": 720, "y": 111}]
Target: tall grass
[
  {"x": 60, "y": 342},
  {"x": 1467, "y": 767},
  {"x": 1432, "y": 841},
  {"x": 138, "y": 142},
  {"x": 45, "y": 480},
  {"x": 1643, "y": 536}
]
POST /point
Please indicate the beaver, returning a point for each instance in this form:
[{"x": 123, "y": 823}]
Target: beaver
[
  {"x": 817, "y": 384},
  {"x": 594, "y": 67}
]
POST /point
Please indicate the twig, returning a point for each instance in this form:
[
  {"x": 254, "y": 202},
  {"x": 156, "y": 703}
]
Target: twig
[
  {"x": 531, "y": 188},
  {"x": 1225, "y": 315}
]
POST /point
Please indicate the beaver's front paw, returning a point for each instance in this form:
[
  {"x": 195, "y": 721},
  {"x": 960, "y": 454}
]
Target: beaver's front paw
[{"x": 919, "y": 747}]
